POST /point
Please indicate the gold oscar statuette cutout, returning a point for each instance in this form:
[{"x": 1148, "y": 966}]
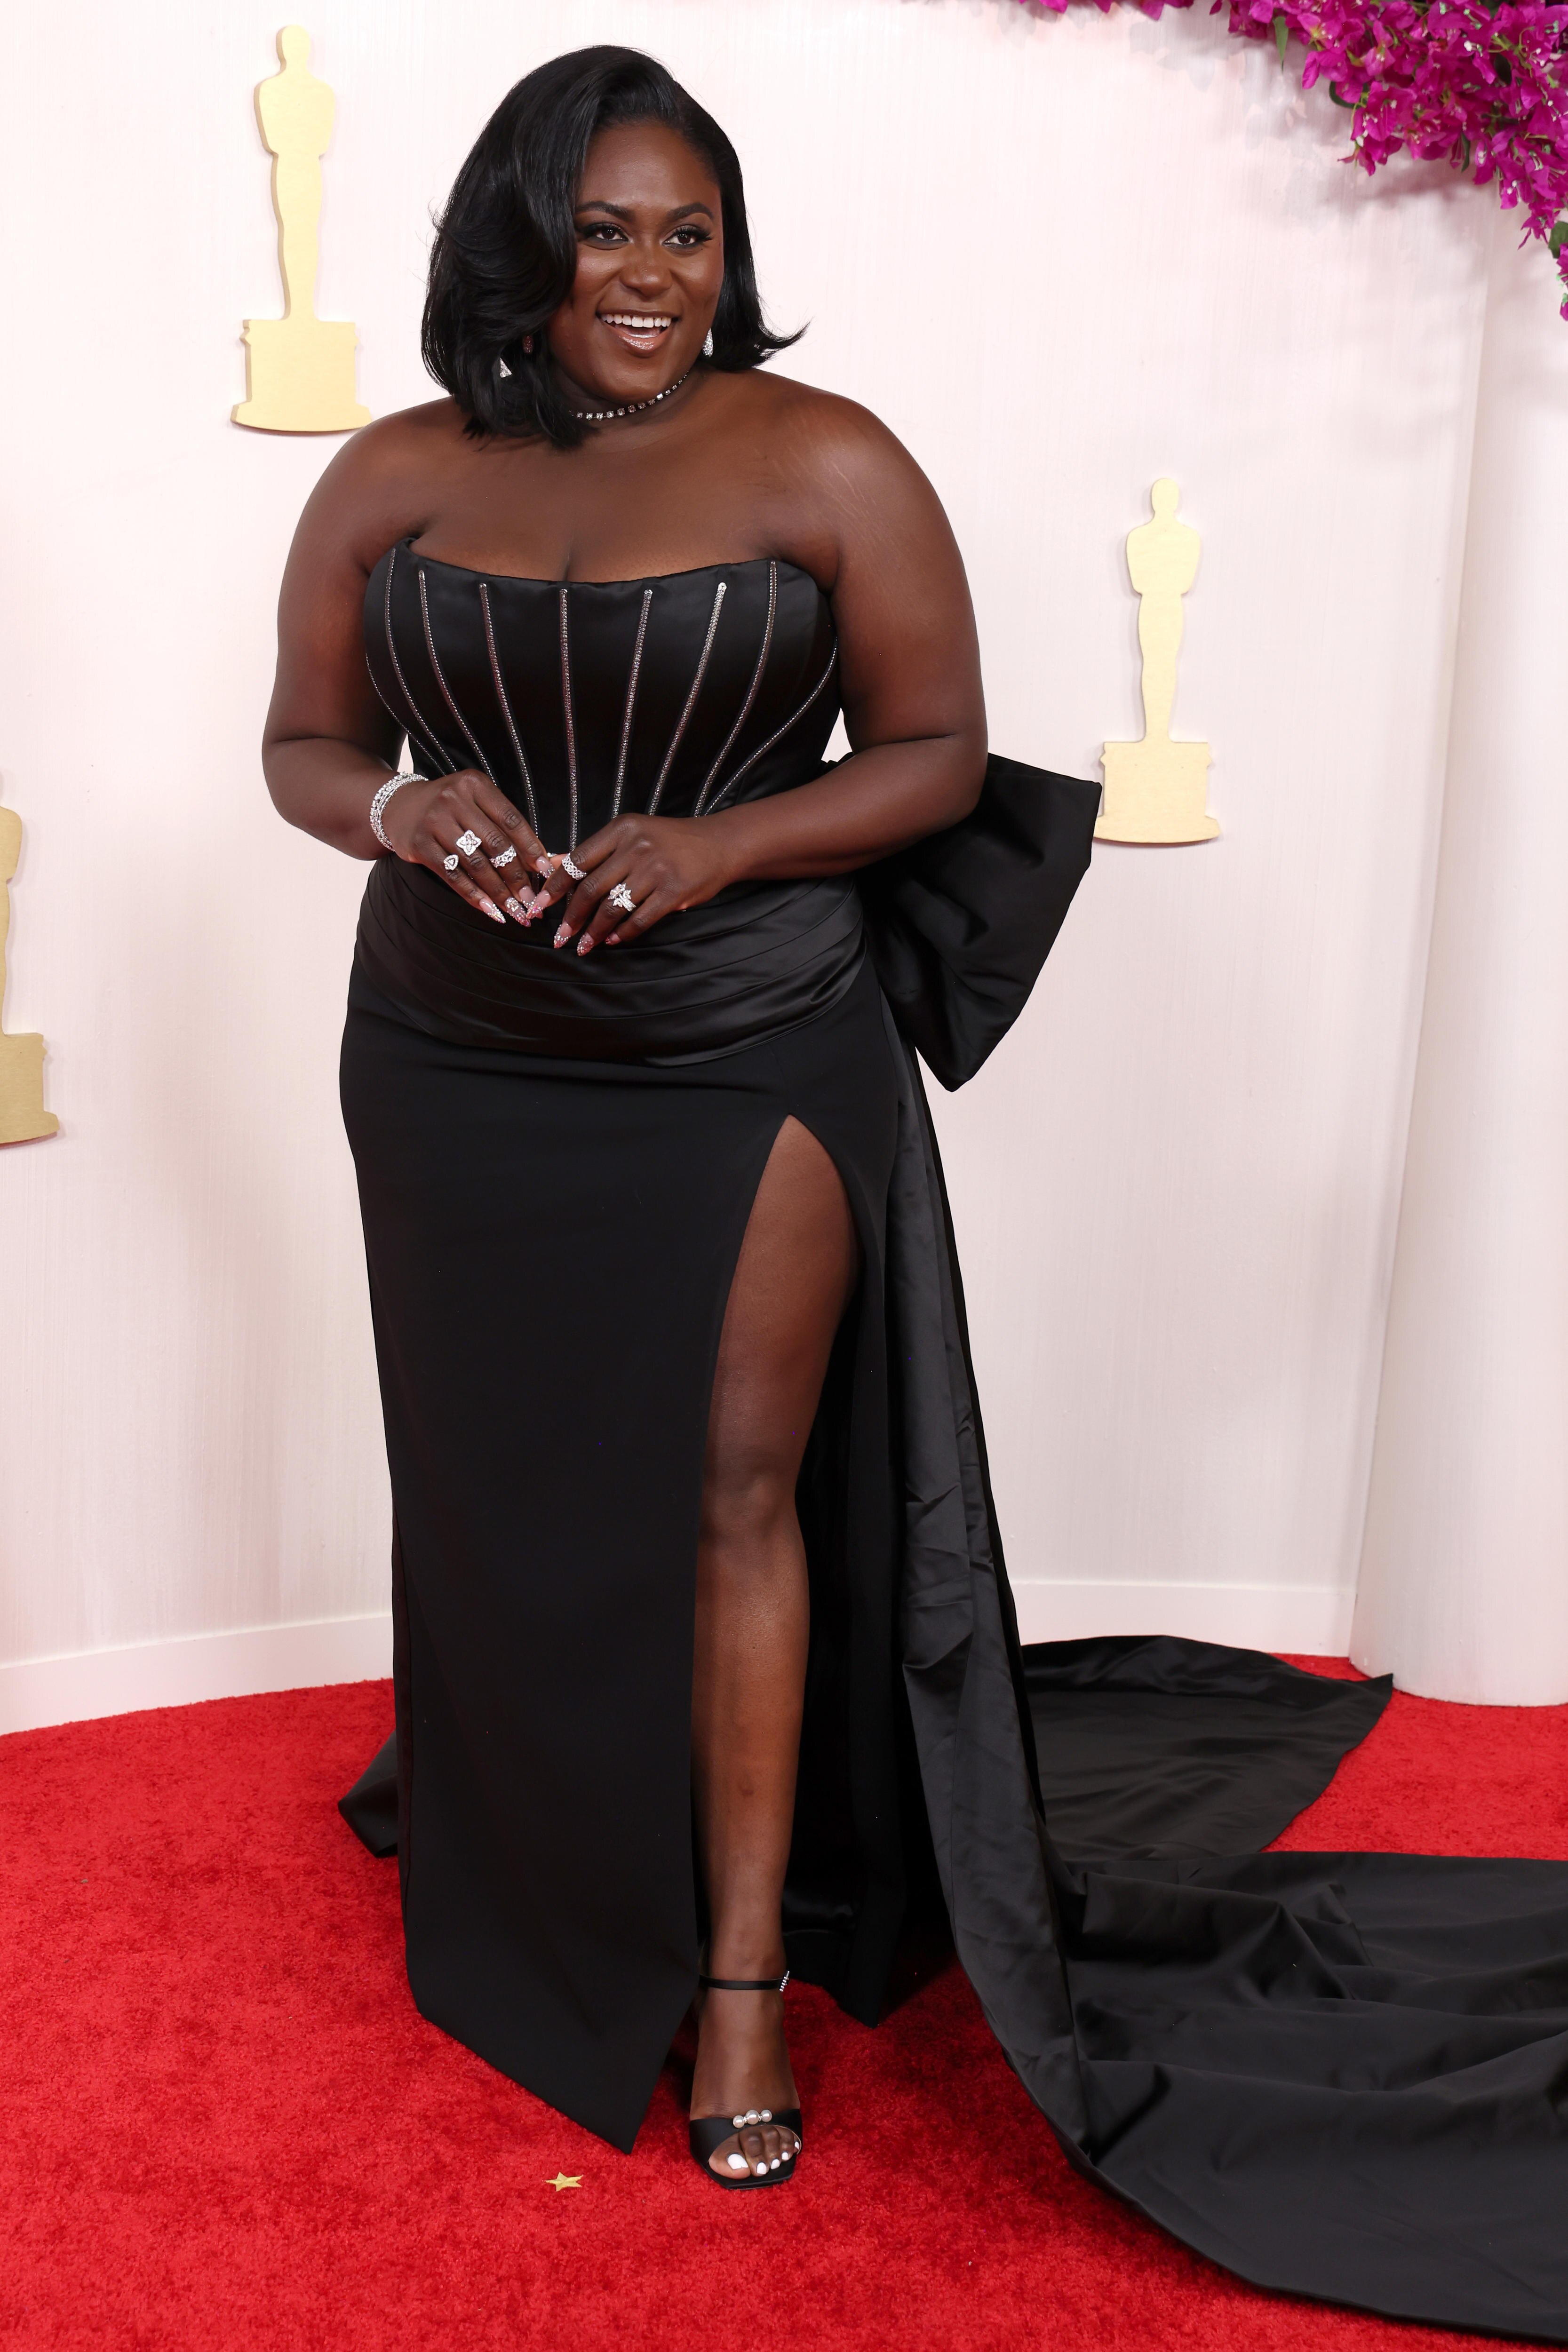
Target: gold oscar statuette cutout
[
  {"x": 22, "y": 1114},
  {"x": 298, "y": 369},
  {"x": 1157, "y": 791}
]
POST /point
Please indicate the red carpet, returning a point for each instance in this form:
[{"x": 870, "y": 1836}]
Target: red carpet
[{"x": 225, "y": 2125}]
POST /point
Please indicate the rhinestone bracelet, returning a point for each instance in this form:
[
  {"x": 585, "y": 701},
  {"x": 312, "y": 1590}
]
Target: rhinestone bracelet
[{"x": 408, "y": 776}]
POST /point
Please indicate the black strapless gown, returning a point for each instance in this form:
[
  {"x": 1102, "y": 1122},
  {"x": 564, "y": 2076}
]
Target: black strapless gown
[{"x": 1342, "y": 2075}]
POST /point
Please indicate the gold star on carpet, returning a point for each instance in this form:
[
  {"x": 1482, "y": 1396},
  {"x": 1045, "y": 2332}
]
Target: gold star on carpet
[{"x": 565, "y": 2180}]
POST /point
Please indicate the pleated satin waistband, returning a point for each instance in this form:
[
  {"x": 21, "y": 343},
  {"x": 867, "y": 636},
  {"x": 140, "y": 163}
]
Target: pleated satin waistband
[{"x": 759, "y": 959}]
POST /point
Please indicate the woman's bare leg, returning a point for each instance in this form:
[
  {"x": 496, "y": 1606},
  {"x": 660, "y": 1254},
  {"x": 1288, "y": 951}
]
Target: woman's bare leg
[{"x": 796, "y": 1271}]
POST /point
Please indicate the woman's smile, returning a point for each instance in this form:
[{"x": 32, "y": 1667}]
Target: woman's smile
[{"x": 639, "y": 330}]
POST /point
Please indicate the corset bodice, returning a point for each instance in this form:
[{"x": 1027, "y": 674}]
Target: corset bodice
[{"x": 589, "y": 700}]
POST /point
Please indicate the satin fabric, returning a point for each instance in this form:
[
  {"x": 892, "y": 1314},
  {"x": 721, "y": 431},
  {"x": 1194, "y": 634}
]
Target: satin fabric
[
  {"x": 1153, "y": 1748},
  {"x": 1147, "y": 1746},
  {"x": 746, "y": 967},
  {"x": 1342, "y": 2075},
  {"x": 544, "y": 1617},
  {"x": 586, "y": 699},
  {"x": 960, "y": 924}
]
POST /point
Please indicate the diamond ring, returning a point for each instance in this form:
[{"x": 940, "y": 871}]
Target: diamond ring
[
  {"x": 572, "y": 868},
  {"x": 468, "y": 842},
  {"x": 504, "y": 859},
  {"x": 450, "y": 862},
  {"x": 622, "y": 897}
]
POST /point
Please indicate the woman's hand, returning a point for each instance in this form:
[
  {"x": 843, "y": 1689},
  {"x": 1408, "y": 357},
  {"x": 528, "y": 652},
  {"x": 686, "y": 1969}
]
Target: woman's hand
[
  {"x": 428, "y": 824},
  {"x": 660, "y": 863}
]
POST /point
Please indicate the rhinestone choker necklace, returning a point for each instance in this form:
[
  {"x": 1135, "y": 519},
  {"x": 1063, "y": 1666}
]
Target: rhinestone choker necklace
[{"x": 604, "y": 416}]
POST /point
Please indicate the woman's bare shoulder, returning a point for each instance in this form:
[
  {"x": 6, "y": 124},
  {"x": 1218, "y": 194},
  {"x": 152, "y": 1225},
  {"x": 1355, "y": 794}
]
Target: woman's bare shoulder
[
  {"x": 822, "y": 427},
  {"x": 383, "y": 484},
  {"x": 845, "y": 477}
]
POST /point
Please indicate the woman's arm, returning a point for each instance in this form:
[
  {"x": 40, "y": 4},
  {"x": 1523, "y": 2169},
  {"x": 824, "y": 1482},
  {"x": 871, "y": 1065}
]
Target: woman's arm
[
  {"x": 909, "y": 666},
  {"x": 327, "y": 744},
  {"x": 910, "y": 679}
]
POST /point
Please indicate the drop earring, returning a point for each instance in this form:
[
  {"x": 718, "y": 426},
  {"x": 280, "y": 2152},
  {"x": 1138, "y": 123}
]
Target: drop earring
[
  {"x": 708, "y": 344},
  {"x": 502, "y": 370},
  {"x": 528, "y": 342}
]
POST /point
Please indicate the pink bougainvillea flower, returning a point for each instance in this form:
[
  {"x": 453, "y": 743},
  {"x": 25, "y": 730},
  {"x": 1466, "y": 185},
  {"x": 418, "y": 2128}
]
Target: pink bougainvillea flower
[{"x": 1482, "y": 87}]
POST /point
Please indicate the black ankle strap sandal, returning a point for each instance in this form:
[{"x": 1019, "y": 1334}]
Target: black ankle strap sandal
[{"x": 707, "y": 2133}]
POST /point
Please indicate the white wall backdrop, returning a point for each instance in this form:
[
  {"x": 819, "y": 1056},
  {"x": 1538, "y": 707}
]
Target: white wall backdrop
[{"x": 1060, "y": 257}]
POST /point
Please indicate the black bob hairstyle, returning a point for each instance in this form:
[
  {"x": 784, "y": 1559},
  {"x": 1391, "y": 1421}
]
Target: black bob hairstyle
[{"x": 506, "y": 246}]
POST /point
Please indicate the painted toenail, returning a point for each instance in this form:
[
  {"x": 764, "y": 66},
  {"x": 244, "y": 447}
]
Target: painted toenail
[
  {"x": 735, "y": 2159},
  {"x": 761, "y": 2169},
  {"x": 774, "y": 2165}
]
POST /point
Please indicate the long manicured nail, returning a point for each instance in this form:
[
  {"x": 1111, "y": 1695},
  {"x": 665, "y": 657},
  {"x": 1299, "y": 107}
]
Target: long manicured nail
[
  {"x": 491, "y": 909},
  {"x": 562, "y": 936},
  {"x": 585, "y": 942},
  {"x": 546, "y": 865},
  {"x": 517, "y": 913},
  {"x": 613, "y": 940}
]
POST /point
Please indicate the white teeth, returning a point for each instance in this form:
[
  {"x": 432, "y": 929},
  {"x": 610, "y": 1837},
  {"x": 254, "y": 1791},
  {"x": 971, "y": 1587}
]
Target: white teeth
[{"x": 642, "y": 321}]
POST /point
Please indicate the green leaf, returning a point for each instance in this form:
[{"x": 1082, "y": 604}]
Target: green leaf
[
  {"x": 1558, "y": 239},
  {"x": 1281, "y": 36},
  {"x": 1348, "y": 103}
]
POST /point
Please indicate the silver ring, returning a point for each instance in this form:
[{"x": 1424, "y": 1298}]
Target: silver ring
[
  {"x": 572, "y": 868},
  {"x": 468, "y": 842},
  {"x": 504, "y": 859},
  {"x": 451, "y": 862},
  {"x": 622, "y": 897}
]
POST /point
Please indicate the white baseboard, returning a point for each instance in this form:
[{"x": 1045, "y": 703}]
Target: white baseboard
[
  {"x": 1313, "y": 1619},
  {"x": 39, "y": 1691},
  {"x": 1310, "y": 1618}
]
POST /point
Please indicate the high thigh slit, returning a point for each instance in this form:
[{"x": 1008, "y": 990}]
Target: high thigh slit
[
  {"x": 794, "y": 1283},
  {"x": 500, "y": 1153},
  {"x": 1343, "y": 2075}
]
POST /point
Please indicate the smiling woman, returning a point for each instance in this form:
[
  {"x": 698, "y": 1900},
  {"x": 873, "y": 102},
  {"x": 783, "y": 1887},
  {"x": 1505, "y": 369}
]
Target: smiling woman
[
  {"x": 531, "y": 240},
  {"x": 707, "y": 1666},
  {"x": 614, "y": 594}
]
